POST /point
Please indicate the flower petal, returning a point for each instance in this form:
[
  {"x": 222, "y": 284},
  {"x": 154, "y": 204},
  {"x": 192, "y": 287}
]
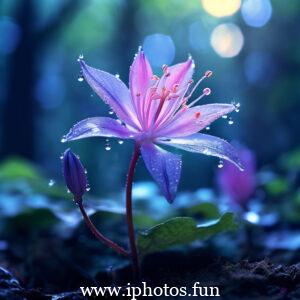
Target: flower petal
[
  {"x": 180, "y": 74},
  {"x": 206, "y": 144},
  {"x": 190, "y": 121},
  {"x": 113, "y": 92},
  {"x": 97, "y": 126},
  {"x": 140, "y": 75},
  {"x": 165, "y": 168}
]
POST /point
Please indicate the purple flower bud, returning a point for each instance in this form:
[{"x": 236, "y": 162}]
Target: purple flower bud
[{"x": 74, "y": 174}]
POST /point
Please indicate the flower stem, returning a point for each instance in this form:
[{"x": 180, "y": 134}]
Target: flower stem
[
  {"x": 99, "y": 235},
  {"x": 131, "y": 234}
]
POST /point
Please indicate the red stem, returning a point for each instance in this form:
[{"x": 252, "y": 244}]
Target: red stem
[
  {"x": 131, "y": 234},
  {"x": 99, "y": 235}
]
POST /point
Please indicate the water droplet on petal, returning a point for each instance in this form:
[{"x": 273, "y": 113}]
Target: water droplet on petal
[
  {"x": 111, "y": 112},
  {"x": 88, "y": 189},
  {"x": 220, "y": 164},
  {"x": 68, "y": 191},
  {"x": 225, "y": 117},
  {"x": 207, "y": 128},
  {"x": 117, "y": 76},
  {"x": 80, "y": 78},
  {"x": 121, "y": 142},
  {"x": 51, "y": 182},
  {"x": 107, "y": 147}
]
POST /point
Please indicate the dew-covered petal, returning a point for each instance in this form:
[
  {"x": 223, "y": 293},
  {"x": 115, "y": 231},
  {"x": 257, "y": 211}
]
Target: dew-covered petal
[
  {"x": 165, "y": 168},
  {"x": 113, "y": 92},
  {"x": 205, "y": 144},
  {"x": 180, "y": 74},
  {"x": 95, "y": 127},
  {"x": 194, "y": 119},
  {"x": 140, "y": 76}
]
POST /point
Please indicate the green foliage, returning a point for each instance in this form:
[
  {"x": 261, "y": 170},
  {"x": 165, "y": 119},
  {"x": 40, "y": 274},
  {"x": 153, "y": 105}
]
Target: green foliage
[
  {"x": 180, "y": 231},
  {"x": 277, "y": 186},
  {"x": 30, "y": 220},
  {"x": 15, "y": 170},
  {"x": 204, "y": 209},
  {"x": 291, "y": 160}
]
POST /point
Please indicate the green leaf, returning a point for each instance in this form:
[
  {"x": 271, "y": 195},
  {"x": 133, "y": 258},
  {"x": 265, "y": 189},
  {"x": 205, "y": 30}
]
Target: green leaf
[
  {"x": 31, "y": 220},
  {"x": 180, "y": 231},
  {"x": 278, "y": 186},
  {"x": 205, "y": 209},
  {"x": 16, "y": 168},
  {"x": 291, "y": 160}
]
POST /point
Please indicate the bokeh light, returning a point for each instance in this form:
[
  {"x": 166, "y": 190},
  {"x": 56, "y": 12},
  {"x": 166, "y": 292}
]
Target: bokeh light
[
  {"x": 256, "y": 13},
  {"x": 221, "y": 8},
  {"x": 10, "y": 35},
  {"x": 227, "y": 40},
  {"x": 159, "y": 48}
]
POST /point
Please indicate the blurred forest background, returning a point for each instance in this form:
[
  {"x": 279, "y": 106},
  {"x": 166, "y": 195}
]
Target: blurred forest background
[
  {"x": 251, "y": 46},
  {"x": 253, "y": 49}
]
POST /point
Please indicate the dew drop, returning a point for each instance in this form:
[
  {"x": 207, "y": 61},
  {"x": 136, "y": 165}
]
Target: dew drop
[
  {"x": 117, "y": 76},
  {"x": 51, "y": 182},
  {"x": 80, "y": 56},
  {"x": 80, "y": 78},
  {"x": 63, "y": 140},
  {"x": 207, "y": 128},
  {"x": 68, "y": 191},
  {"x": 61, "y": 157},
  {"x": 88, "y": 189},
  {"x": 230, "y": 121},
  {"x": 225, "y": 117},
  {"x": 221, "y": 164},
  {"x": 121, "y": 142},
  {"x": 107, "y": 145},
  {"x": 111, "y": 112},
  {"x": 237, "y": 107}
]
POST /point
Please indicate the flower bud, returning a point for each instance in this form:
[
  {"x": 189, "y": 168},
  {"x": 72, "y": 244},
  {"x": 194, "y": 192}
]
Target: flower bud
[{"x": 74, "y": 174}]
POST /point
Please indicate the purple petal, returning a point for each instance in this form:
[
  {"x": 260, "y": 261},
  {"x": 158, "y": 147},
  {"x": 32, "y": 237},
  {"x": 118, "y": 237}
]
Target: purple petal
[
  {"x": 113, "y": 92},
  {"x": 165, "y": 168},
  {"x": 206, "y": 144},
  {"x": 140, "y": 75},
  {"x": 239, "y": 186},
  {"x": 180, "y": 74},
  {"x": 190, "y": 122},
  {"x": 97, "y": 126}
]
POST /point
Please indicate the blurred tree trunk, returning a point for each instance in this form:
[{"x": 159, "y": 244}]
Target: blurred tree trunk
[
  {"x": 20, "y": 107},
  {"x": 18, "y": 131}
]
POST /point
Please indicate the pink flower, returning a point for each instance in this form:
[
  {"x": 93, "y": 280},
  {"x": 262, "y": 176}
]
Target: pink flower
[
  {"x": 156, "y": 111},
  {"x": 239, "y": 187}
]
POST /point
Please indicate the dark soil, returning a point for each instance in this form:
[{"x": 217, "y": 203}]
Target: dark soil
[{"x": 245, "y": 279}]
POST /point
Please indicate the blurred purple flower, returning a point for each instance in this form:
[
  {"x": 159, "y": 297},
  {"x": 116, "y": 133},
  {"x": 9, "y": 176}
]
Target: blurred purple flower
[
  {"x": 239, "y": 186},
  {"x": 156, "y": 111},
  {"x": 74, "y": 174}
]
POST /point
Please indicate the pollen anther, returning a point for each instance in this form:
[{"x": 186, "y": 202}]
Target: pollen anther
[{"x": 208, "y": 73}]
